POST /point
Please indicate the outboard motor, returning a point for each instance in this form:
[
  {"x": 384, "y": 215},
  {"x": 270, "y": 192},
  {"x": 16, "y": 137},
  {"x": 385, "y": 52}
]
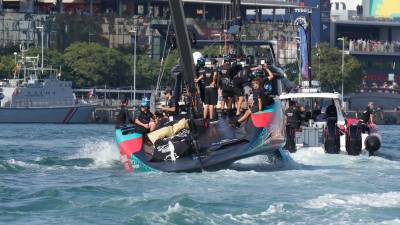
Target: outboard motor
[
  {"x": 373, "y": 140},
  {"x": 354, "y": 139},
  {"x": 332, "y": 139}
]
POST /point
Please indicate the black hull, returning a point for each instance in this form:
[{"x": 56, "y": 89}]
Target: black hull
[{"x": 220, "y": 145}]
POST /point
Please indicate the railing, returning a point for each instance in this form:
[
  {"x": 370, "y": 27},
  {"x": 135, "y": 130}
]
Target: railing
[
  {"x": 380, "y": 90},
  {"x": 104, "y": 97},
  {"x": 374, "y": 46}
]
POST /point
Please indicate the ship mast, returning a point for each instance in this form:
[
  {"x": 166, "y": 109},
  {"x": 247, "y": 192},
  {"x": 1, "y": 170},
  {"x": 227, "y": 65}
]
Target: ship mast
[{"x": 183, "y": 42}]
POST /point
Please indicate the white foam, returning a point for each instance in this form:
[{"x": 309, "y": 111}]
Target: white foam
[
  {"x": 22, "y": 164},
  {"x": 390, "y": 222},
  {"x": 317, "y": 156},
  {"x": 259, "y": 159},
  {"x": 104, "y": 153},
  {"x": 377, "y": 200},
  {"x": 255, "y": 218},
  {"x": 174, "y": 209}
]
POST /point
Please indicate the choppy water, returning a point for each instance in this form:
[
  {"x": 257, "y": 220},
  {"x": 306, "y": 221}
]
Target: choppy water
[{"x": 52, "y": 174}]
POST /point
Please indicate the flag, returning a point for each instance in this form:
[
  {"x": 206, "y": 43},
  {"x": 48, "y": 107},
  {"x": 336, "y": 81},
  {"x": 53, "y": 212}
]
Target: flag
[{"x": 303, "y": 53}]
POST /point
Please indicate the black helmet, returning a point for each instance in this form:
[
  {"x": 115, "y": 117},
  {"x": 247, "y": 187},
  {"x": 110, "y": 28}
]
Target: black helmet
[
  {"x": 257, "y": 73},
  {"x": 250, "y": 60},
  {"x": 201, "y": 61}
]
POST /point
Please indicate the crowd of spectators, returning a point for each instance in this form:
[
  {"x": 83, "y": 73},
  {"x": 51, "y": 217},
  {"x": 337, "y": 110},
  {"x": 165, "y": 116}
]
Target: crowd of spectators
[
  {"x": 385, "y": 87},
  {"x": 364, "y": 45}
]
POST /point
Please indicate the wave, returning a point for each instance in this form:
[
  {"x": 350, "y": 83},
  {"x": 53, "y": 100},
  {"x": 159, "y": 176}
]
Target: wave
[
  {"x": 316, "y": 157},
  {"x": 264, "y": 216},
  {"x": 376, "y": 200},
  {"x": 91, "y": 155},
  {"x": 11, "y": 166},
  {"x": 102, "y": 153}
]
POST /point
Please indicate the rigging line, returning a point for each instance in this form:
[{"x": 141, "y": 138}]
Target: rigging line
[{"x": 160, "y": 74}]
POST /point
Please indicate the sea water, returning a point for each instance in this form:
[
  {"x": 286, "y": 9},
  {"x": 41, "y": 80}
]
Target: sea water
[{"x": 71, "y": 174}]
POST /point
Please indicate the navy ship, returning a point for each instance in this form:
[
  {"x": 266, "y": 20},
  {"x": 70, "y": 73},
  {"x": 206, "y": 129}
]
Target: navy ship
[{"x": 37, "y": 95}]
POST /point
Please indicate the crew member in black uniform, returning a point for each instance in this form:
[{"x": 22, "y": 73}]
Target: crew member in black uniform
[
  {"x": 331, "y": 111},
  {"x": 199, "y": 80},
  {"x": 211, "y": 93},
  {"x": 241, "y": 82},
  {"x": 293, "y": 121},
  {"x": 123, "y": 115},
  {"x": 368, "y": 114},
  {"x": 170, "y": 108},
  {"x": 226, "y": 84},
  {"x": 145, "y": 121},
  {"x": 260, "y": 101}
]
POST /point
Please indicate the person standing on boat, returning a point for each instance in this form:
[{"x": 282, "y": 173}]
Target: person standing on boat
[
  {"x": 241, "y": 83},
  {"x": 226, "y": 84},
  {"x": 267, "y": 82},
  {"x": 123, "y": 116},
  {"x": 210, "y": 94},
  {"x": 145, "y": 121},
  {"x": 199, "y": 80},
  {"x": 368, "y": 114},
  {"x": 170, "y": 108},
  {"x": 331, "y": 111},
  {"x": 293, "y": 121}
]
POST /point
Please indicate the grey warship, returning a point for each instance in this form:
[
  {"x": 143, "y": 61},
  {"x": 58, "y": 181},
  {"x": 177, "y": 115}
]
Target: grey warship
[{"x": 37, "y": 95}]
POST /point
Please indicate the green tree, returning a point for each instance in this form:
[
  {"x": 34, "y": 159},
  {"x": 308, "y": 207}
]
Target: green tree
[
  {"x": 330, "y": 72},
  {"x": 7, "y": 63},
  {"x": 92, "y": 64},
  {"x": 147, "y": 71},
  {"x": 51, "y": 57},
  {"x": 211, "y": 50},
  {"x": 292, "y": 71}
]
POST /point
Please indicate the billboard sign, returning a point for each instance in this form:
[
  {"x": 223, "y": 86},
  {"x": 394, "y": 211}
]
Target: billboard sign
[{"x": 384, "y": 8}]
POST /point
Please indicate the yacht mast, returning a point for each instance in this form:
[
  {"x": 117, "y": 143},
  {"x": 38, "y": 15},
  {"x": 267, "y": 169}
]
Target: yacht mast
[{"x": 183, "y": 42}]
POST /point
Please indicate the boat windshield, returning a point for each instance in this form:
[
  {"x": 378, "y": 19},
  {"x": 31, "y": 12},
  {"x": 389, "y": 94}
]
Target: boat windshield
[{"x": 315, "y": 106}]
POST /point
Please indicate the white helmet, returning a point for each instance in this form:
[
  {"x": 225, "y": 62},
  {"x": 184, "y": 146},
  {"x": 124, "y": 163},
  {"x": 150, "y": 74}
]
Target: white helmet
[{"x": 196, "y": 56}]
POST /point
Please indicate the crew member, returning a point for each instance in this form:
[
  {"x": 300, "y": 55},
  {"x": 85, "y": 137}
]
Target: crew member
[
  {"x": 199, "y": 80},
  {"x": 368, "y": 114},
  {"x": 268, "y": 84},
  {"x": 123, "y": 115},
  {"x": 241, "y": 82},
  {"x": 210, "y": 94},
  {"x": 331, "y": 111},
  {"x": 170, "y": 108},
  {"x": 259, "y": 102},
  {"x": 226, "y": 84},
  {"x": 322, "y": 116},
  {"x": 145, "y": 121},
  {"x": 293, "y": 121}
]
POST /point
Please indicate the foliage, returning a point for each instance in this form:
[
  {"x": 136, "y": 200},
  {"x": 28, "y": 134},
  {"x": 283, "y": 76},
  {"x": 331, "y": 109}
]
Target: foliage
[
  {"x": 92, "y": 64},
  {"x": 330, "y": 72},
  {"x": 9, "y": 49},
  {"x": 292, "y": 71},
  {"x": 211, "y": 51},
  {"x": 146, "y": 71},
  {"x": 7, "y": 63},
  {"x": 51, "y": 57}
]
